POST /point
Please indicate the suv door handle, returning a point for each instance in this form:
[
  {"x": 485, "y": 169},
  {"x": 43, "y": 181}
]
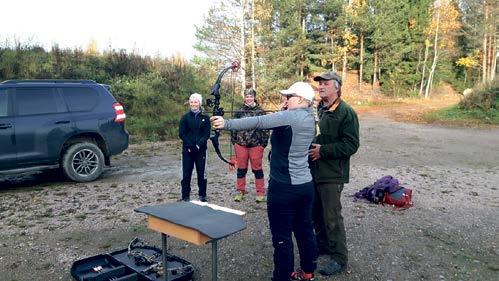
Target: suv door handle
[
  {"x": 5, "y": 126},
  {"x": 62, "y": 122}
]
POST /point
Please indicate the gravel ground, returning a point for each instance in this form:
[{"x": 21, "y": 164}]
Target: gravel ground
[{"x": 451, "y": 233}]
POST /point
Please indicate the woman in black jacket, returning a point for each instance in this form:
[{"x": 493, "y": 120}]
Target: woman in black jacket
[{"x": 194, "y": 131}]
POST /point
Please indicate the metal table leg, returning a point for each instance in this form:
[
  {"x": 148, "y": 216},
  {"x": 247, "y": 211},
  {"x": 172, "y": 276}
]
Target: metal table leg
[
  {"x": 165, "y": 259},
  {"x": 214, "y": 261}
]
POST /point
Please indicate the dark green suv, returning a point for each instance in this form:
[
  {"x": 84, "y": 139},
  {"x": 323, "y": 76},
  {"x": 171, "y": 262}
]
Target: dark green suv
[{"x": 75, "y": 125}]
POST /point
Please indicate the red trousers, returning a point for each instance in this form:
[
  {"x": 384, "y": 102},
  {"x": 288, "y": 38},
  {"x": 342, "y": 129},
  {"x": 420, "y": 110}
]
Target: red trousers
[{"x": 254, "y": 155}]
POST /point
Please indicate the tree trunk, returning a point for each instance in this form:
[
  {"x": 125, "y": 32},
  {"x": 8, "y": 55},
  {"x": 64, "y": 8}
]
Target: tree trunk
[
  {"x": 494, "y": 59},
  {"x": 426, "y": 51},
  {"x": 302, "y": 56},
  {"x": 417, "y": 69},
  {"x": 484, "y": 60},
  {"x": 419, "y": 62},
  {"x": 435, "y": 58},
  {"x": 344, "y": 69},
  {"x": 333, "y": 61},
  {"x": 379, "y": 69},
  {"x": 484, "y": 48},
  {"x": 253, "y": 75},
  {"x": 375, "y": 67},
  {"x": 243, "y": 51},
  {"x": 361, "y": 66},
  {"x": 492, "y": 55}
]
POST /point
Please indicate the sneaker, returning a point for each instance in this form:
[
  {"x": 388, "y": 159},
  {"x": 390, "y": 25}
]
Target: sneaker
[
  {"x": 300, "y": 275},
  {"x": 332, "y": 268},
  {"x": 239, "y": 197},
  {"x": 203, "y": 199},
  {"x": 186, "y": 199},
  {"x": 260, "y": 199}
]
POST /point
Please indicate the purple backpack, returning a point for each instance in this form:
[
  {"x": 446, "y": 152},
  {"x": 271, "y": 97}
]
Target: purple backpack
[{"x": 376, "y": 192}]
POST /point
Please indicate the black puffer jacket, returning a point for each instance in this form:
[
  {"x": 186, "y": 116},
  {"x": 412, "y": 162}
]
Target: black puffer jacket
[{"x": 194, "y": 130}]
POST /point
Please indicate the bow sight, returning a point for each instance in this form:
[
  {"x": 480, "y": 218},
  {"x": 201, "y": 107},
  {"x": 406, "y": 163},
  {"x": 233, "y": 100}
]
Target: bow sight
[{"x": 215, "y": 104}]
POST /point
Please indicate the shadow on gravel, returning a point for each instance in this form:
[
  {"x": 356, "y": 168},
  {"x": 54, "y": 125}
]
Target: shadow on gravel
[{"x": 30, "y": 181}]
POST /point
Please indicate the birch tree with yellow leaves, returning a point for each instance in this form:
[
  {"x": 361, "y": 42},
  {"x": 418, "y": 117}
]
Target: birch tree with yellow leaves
[{"x": 443, "y": 27}]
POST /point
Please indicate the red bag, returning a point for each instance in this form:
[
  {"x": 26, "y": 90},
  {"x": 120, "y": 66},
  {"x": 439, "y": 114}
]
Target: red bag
[{"x": 401, "y": 198}]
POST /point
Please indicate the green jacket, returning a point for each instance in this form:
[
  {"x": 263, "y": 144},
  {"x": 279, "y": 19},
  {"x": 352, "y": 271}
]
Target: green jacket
[{"x": 339, "y": 139}]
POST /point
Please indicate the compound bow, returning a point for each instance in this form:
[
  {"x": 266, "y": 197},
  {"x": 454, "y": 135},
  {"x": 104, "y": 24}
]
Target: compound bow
[{"x": 217, "y": 110}]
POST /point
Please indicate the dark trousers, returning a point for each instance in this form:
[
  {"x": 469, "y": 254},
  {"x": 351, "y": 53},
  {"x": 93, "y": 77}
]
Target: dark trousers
[
  {"x": 189, "y": 159},
  {"x": 289, "y": 209},
  {"x": 328, "y": 222}
]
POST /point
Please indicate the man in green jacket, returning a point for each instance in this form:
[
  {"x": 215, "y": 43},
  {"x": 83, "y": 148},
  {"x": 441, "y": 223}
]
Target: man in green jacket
[{"x": 337, "y": 139}]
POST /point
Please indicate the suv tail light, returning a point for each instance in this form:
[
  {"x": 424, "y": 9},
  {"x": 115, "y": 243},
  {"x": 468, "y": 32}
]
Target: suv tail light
[{"x": 120, "y": 113}]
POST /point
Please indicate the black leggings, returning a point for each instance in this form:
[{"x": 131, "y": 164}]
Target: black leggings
[
  {"x": 189, "y": 160},
  {"x": 289, "y": 208}
]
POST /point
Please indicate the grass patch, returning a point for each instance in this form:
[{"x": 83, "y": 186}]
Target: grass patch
[
  {"x": 384, "y": 102},
  {"x": 365, "y": 103},
  {"x": 457, "y": 116}
]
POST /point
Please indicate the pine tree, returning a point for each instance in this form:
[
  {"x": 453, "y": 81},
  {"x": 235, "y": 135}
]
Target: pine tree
[
  {"x": 397, "y": 39},
  {"x": 288, "y": 55}
]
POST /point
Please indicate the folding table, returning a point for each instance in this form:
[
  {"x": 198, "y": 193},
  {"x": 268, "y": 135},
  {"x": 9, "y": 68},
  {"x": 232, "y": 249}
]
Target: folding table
[{"x": 195, "y": 222}]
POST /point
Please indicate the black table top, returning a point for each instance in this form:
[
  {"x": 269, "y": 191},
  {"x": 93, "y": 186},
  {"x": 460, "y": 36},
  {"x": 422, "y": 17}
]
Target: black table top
[{"x": 213, "y": 223}]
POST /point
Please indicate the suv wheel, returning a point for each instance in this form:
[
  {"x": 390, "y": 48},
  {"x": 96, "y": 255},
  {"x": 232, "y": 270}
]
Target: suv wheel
[{"x": 83, "y": 162}]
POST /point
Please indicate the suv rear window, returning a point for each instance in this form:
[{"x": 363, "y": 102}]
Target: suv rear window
[
  {"x": 80, "y": 99},
  {"x": 3, "y": 103},
  {"x": 30, "y": 101}
]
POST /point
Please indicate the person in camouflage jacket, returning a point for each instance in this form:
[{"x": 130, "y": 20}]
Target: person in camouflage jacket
[{"x": 249, "y": 145}]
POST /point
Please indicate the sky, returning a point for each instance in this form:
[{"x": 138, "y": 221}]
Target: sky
[{"x": 148, "y": 27}]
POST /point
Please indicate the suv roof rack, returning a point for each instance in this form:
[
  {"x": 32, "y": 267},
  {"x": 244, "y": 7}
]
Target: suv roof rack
[{"x": 49, "y": 81}]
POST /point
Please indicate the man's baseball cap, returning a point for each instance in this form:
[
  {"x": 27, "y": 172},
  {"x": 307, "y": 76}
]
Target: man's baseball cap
[
  {"x": 300, "y": 89},
  {"x": 328, "y": 75}
]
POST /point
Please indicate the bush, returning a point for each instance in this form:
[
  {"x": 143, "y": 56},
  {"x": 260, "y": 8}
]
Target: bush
[
  {"x": 485, "y": 99},
  {"x": 154, "y": 103}
]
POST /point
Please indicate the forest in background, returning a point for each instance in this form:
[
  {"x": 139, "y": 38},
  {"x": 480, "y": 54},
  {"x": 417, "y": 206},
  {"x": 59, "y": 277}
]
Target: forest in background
[
  {"x": 402, "y": 47},
  {"x": 405, "y": 46},
  {"x": 153, "y": 91}
]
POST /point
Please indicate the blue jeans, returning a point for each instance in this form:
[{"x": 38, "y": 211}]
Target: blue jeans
[{"x": 289, "y": 209}]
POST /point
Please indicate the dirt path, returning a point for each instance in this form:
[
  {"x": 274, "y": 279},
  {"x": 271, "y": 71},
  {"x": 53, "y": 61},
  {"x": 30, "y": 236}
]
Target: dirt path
[{"x": 451, "y": 233}]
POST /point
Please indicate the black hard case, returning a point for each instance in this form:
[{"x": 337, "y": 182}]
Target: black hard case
[{"x": 117, "y": 266}]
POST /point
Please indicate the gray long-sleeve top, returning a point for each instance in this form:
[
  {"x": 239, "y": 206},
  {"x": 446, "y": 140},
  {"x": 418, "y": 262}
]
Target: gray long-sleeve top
[{"x": 292, "y": 133}]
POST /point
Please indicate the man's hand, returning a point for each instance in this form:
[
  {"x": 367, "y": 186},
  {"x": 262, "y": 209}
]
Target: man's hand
[
  {"x": 217, "y": 122},
  {"x": 315, "y": 152}
]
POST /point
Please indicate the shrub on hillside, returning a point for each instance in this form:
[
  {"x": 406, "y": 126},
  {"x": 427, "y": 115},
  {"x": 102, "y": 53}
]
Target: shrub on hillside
[
  {"x": 154, "y": 103},
  {"x": 485, "y": 99}
]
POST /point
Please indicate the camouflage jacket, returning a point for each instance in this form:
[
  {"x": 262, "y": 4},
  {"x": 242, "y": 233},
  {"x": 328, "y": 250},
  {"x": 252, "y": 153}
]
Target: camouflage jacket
[{"x": 250, "y": 138}]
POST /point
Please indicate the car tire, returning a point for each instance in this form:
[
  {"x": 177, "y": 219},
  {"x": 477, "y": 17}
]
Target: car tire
[{"x": 83, "y": 162}]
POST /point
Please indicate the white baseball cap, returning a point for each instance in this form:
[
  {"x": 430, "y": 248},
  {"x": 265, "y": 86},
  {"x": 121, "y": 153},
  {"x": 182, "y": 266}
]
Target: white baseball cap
[{"x": 301, "y": 89}]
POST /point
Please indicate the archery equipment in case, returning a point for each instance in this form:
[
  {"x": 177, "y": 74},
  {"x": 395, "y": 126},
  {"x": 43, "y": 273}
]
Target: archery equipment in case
[{"x": 138, "y": 262}]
